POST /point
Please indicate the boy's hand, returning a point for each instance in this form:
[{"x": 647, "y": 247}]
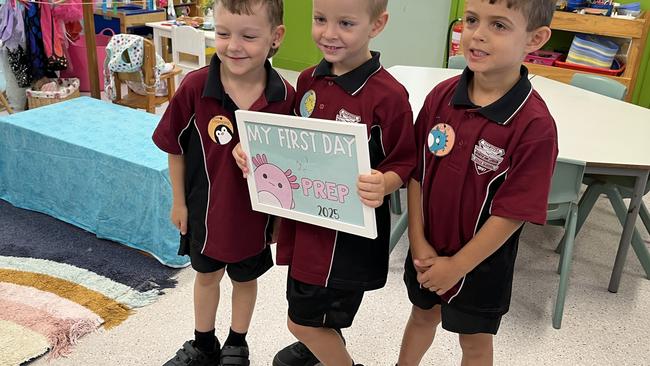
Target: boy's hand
[
  {"x": 421, "y": 254},
  {"x": 241, "y": 159},
  {"x": 442, "y": 275},
  {"x": 371, "y": 188},
  {"x": 179, "y": 217}
]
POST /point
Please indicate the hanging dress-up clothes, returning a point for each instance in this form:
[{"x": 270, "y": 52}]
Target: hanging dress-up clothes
[
  {"x": 35, "y": 49},
  {"x": 53, "y": 39},
  {"x": 12, "y": 35}
]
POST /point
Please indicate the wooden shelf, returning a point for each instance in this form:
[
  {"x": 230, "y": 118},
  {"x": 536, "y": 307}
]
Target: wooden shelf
[
  {"x": 565, "y": 75},
  {"x": 192, "y": 5},
  {"x": 598, "y": 24},
  {"x": 633, "y": 30}
]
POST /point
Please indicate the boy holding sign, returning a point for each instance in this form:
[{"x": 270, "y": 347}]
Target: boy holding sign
[
  {"x": 330, "y": 270},
  {"x": 211, "y": 200}
]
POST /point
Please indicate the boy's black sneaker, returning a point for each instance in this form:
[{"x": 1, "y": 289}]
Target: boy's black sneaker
[
  {"x": 189, "y": 355},
  {"x": 296, "y": 354}
]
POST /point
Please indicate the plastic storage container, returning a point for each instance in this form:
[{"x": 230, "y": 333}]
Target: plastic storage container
[{"x": 542, "y": 57}]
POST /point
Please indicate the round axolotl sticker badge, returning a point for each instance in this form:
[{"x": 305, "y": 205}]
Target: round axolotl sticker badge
[{"x": 441, "y": 139}]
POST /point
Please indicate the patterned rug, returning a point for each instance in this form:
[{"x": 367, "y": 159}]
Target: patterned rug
[{"x": 59, "y": 283}]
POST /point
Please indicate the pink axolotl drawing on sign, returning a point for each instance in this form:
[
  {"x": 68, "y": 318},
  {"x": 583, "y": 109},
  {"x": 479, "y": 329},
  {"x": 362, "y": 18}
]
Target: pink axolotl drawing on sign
[{"x": 274, "y": 186}]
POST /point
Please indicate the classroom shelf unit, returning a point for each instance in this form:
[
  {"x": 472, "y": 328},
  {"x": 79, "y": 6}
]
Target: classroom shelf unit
[{"x": 633, "y": 31}]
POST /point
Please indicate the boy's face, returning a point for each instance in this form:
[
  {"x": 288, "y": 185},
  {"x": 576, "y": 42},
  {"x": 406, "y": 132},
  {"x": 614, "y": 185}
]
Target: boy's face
[
  {"x": 494, "y": 37},
  {"x": 243, "y": 41},
  {"x": 342, "y": 30}
]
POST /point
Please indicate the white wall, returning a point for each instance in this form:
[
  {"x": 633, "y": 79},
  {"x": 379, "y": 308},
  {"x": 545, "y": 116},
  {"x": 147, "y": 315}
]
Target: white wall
[{"x": 415, "y": 34}]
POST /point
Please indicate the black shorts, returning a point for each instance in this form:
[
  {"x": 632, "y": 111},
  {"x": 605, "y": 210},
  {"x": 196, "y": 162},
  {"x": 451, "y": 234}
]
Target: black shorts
[
  {"x": 247, "y": 270},
  {"x": 321, "y": 307},
  {"x": 453, "y": 319}
]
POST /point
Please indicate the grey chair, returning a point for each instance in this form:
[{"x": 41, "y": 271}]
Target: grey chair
[
  {"x": 615, "y": 188},
  {"x": 563, "y": 211}
]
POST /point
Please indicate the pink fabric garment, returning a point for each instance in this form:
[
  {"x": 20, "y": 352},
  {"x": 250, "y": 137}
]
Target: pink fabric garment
[
  {"x": 70, "y": 11},
  {"x": 62, "y": 334},
  {"x": 51, "y": 46}
]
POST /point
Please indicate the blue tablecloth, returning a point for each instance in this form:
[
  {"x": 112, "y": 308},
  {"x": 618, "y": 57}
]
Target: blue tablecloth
[{"x": 92, "y": 164}]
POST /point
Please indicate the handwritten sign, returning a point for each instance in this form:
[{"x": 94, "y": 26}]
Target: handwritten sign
[{"x": 306, "y": 169}]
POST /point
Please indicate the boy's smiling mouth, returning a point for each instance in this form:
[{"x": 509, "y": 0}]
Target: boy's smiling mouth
[
  {"x": 478, "y": 53},
  {"x": 331, "y": 48}
]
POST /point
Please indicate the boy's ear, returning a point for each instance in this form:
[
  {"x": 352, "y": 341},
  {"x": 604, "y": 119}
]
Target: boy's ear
[
  {"x": 379, "y": 24},
  {"x": 538, "y": 38},
  {"x": 278, "y": 35}
]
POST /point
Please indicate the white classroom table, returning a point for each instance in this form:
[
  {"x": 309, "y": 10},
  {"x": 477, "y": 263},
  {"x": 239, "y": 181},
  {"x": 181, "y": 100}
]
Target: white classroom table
[
  {"x": 164, "y": 30},
  {"x": 611, "y": 136}
]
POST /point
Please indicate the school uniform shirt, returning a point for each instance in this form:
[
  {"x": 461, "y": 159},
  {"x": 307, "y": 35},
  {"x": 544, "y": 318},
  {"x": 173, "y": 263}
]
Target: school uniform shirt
[
  {"x": 368, "y": 95},
  {"x": 476, "y": 162},
  {"x": 200, "y": 125}
]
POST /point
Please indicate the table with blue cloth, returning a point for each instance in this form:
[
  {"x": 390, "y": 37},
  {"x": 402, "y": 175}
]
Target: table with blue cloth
[{"x": 92, "y": 164}]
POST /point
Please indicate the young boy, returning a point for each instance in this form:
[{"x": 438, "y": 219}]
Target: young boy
[
  {"x": 329, "y": 270},
  {"x": 487, "y": 146},
  {"x": 210, "y": 198}
]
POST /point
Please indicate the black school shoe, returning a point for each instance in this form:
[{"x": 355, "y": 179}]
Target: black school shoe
[
  {"x": 234, "y": 356},
  {"x": 296, "y": 354},
  {"x": 189, "y": 355}
]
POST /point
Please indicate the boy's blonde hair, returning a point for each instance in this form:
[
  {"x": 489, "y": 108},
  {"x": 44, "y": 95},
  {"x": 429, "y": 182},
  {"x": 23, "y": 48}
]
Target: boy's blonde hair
[
  {"x": 275, "y": 8},
  {"x": 377, "y": 7},
  {"x": 538, "y": 13}
]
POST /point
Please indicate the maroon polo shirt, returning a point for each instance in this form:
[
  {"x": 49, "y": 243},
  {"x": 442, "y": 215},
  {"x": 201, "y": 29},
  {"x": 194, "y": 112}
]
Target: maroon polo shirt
[
  {"x": 475, "y": 162},
  {"x": 199, "y": 124},
  {"x": 368, "y": 95}
]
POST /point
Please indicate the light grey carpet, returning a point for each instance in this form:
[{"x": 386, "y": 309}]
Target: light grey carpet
[{"x": 599, "y": 328}]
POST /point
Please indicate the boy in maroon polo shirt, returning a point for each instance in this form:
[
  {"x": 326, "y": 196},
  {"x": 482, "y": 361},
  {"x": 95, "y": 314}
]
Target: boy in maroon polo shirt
[
  {"x": 487, "y": 146},
  {"x": 210, "y": 199},
  {"x": 330, "y": 270}
]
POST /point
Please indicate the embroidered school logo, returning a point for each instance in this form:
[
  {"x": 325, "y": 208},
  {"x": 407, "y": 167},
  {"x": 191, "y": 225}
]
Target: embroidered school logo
[
  {"x": 308, "y": 103},
  {"x": 345, "y": 116},
  {"x": 487, "y": 157},
  {"x": 441, "y": 139},
  {"x": 220, "y": 130}
]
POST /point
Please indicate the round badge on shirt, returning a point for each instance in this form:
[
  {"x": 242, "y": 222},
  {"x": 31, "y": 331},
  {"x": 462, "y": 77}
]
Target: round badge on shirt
[
  {"x": 308, "y": 103},
  {"x": 441, "y": 139},
  {"x": 220, "y": 130}
]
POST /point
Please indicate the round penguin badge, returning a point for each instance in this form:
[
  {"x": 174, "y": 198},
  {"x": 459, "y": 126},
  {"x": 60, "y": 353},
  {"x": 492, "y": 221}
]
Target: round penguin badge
[
  {"x": 220, "y": 130},
  {"x": 308, "y": 103},
  {"x": 441, "y": 139}
]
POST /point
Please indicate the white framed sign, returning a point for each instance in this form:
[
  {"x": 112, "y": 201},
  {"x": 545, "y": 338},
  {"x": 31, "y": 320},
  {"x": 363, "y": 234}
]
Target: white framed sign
[{"x": 306, "y": 169}]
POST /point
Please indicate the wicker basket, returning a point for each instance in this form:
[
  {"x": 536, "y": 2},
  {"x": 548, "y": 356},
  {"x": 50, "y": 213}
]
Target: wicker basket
[{"x": 69, "y": 90}]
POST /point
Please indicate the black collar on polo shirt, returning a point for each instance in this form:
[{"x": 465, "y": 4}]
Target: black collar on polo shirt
[
  {"x": 275, "y": 90},
  {"x": 503, "y": 109},
  {"x": 354, "y": 80}
]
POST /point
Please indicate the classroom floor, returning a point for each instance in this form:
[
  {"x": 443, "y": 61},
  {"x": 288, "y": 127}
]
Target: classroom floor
[{"x": 599, "y": 328}]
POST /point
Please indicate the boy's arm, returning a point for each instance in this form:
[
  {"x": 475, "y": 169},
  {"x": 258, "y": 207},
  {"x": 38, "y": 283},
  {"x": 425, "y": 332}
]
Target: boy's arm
[
  {"x": 445, "y": 272},
  {"x": 177, "y": 176},
  {"x": 421, "y": 250}
]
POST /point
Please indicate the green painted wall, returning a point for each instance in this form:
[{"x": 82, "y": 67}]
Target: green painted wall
[
  {"x": 298, "y": 51},
  {"x": 641, "y": 94}
]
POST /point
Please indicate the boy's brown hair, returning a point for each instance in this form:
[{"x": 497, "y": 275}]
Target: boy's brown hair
[
  {"x": 377, "y": 7},
  {"x": 538, "y": 13},
  {"x": 275, "y": 8}
]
